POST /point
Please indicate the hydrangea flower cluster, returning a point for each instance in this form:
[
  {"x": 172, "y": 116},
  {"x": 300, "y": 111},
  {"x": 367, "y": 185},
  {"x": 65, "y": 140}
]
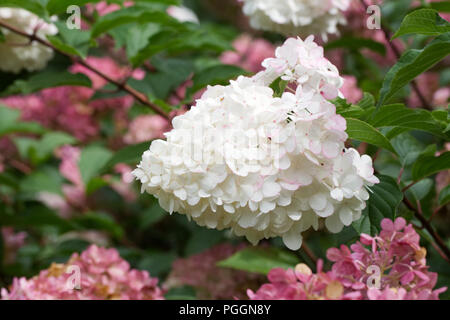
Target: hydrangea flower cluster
[
  {"x": 298, "y": 17},
  {"x": 249, "y": 53},
  {"x": 395, "y": 253},
  {"x": 16, "y": 51},
  {"x": 12, "y": 241},
  {"x": 210, "y": 281},
  {"x": 261, "y": 165},
  {"x": 104, "y": 276}
]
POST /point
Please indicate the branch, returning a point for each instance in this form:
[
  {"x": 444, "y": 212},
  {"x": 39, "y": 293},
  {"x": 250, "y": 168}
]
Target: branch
[
  {"x": 439, "y": 242},
  {"x": 309, "y": 252},
  {"x": 398, "y": 54},
  {"x": 122, "y": 86}
]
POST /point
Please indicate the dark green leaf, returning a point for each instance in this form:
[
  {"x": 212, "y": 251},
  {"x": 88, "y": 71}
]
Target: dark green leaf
[
  {"x": 357, "y": 44},
  {"x": 383, "y": 203},
  {"x": 444, "y": 196},
  {"x": 215, "y": 75},
  {"x": 428, "y": 165},
  {"x": 129, "y": 155}
]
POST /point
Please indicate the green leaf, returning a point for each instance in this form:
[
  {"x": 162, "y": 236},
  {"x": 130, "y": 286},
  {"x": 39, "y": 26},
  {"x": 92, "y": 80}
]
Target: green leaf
[
  {"x": 8, "y": 116},
  {"x": 98, "y": 221},
  {"x": 203, "y": 239},
  {"x": 367, "y": 101},
  {"x": 260, "y": 260},
  {"x": 48, "y": 79},
  {"x": 442, "y": 6},
  {"x": 408, "y": 148},
  {"x": 35, "y": 6},
  {"x": 47, "y": 179},
  {"x": 129, "y": 155},
  {"x": 50, "y": 141},
  {"x": 214, "y": 75},
  {"x": 398, "y": 115},
  {"x": 423, "y": 21},
  {"x": 362, "y": 131},
  {"x": 357, "y": 44},
  {"x": 134, "y": 14},
  {"x": 444, "y": 196},
  {"x": 134, "y": 37},
  {"x": 74, "y": 42},
  {"x": 36, "y": 215},
  {"x": 278, "y": 87},
  {"x": 92, "y": 160},
  {"x": 9, "y": 180},
  {"x": 428, "y": 165},
  {"x": 60, "y": 6},
  {"x": 411, "y": 64},
  {"x": 161, "y": 83},
  {"x": 10, "y": 123},
  {"x": 151, "y": 215},
  {"x": 383, "y": 203}
]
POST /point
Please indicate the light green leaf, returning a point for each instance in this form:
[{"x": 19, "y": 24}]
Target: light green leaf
[
  {"x": 92, "y": 160},
  {"x": 423, "y": 21},
  {"x": 260, "y": 260},
  {"x": 46, "y": 179},
  {"x": 411, "y": 64},
  {"x": 398, "y": 115},
  {"x": 364, "y": 132}
]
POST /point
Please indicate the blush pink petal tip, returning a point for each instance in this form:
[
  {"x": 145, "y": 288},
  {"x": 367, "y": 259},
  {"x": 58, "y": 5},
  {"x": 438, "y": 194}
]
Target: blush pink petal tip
[
  {"x": 396, "y": 250},
  {"x": 104, "y": 275}
]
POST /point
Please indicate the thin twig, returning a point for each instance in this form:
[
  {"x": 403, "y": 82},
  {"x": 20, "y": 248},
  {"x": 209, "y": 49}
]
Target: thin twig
[
  {"x": 122, "y": 86},
  {"x": 309, "y": 252},
  {"x": 445, "y": 252},
  {"x": 398, "y": 54}
]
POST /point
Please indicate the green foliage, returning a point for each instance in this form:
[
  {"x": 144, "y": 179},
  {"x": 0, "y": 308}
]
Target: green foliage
[
  {"x": 92, "y": 160},
  {"x": 427, "y": 165},
  {"x": 411, "y": 64},
  {"x": 383, "y": 203},
  {"x": 424, "y": 21},
  {"x": 260, "y": 260},
  {"x": 363, "y": 131}
]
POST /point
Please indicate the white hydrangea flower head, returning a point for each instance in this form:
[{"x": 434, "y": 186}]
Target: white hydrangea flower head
[
  {"x": 16, "y": 51},
  {"x": 304, "y": 63},
  {"x": 182, "y": 14},
  {"x": 297, "y": 17},
  {"x": 260, "y": 165}
]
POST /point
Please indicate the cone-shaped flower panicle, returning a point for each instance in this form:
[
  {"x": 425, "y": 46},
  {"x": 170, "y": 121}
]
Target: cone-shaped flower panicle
[{"x": 262, "y": 165}]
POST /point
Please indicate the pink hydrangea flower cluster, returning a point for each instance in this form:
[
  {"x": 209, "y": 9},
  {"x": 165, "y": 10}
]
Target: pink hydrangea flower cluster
[
  {"x": 69, "y": 108},
  {"x": 75, "y": 192},
  {"x": 428, "y": 83},
  {"x": 350, "y": 89},
  {"x": 210, "y": 281},
  {"x": 104, "y": 276},
  {"x": 145, "y": 128},
  {"x": 391, "y": 265},
  {"x": 12, "y": 241},
  {"x": 249, "y": 53}
]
